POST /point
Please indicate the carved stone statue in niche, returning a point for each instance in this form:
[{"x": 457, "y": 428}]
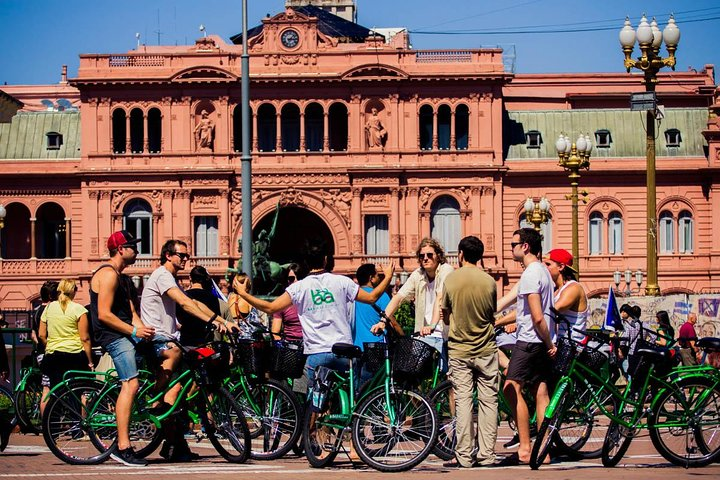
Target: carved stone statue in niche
[
  {"x": 375, "y": 133},
  {"x": 204, "y": 132}
]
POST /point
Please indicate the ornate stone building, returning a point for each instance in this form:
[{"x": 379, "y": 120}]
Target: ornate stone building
[{"x": 359, "y": 138}]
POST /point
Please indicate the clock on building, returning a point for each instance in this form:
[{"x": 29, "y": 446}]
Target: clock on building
[{"x": 290, "y": 38}]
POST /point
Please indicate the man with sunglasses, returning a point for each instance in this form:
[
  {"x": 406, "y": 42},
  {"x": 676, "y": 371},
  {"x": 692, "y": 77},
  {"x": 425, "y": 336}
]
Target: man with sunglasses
[
  {"x": 423, "y": 287},
  {"x": 117, "y": 328},
  {"x": 160, "y": 297}
]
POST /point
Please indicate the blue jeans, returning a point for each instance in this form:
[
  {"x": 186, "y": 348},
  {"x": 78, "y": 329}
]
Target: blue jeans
[
  {"x": 122, "y": 352},
  {"x": 441, "y": 346},
  {"x": 325, "y": 359}
]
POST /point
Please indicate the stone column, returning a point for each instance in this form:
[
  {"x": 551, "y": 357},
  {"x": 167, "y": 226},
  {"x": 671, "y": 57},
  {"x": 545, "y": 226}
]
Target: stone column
[
  {"x": 33, "y": 254},
  {"x": 278, "y": 133},
  {"x": 413, "y": 232},
  {"x": 169, "y": 217},
  {"x": 183, "y": 228},
  {"x": 156, "y": 238},
  {"x": 356, "y": 221},
  {"x": 105, "y": 220},
  {"x": 146, "y": 140},
  {"x": 477, "y": 212},
  {"x": 452, "y": 130},
  {"x": 91, "y": 218},
  {"x": 356, "y": 141},
  {"x": 394, "y": 220},
  {"x": 68, "y": 253},
  {"x": 326, "y": 135},
  {"x": 435, "y": 130},
  {"x": 303, "y": 147},
  {"x": 254, "y": 136},
  {"x": 128, "y": 149}
]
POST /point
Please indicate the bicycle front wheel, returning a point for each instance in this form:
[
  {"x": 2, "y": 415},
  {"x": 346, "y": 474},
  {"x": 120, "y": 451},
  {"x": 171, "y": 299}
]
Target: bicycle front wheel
[
  {"x": 27, "y": 404},
  {"x": 279, "y": 415},
  {"x": 68, "y": 424},
  {"x": 584, "y": 426},
  {"x": 616, "y": 444},
  {"x": 685, "y": 423},
  {"x": 547, "y": 433},
  {"x": 397, "y": 435},
  {"x": 228, "y": 431}
]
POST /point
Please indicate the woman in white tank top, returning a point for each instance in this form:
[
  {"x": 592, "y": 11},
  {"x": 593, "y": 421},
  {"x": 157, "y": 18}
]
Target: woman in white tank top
[{"x": 570, "y": 298}]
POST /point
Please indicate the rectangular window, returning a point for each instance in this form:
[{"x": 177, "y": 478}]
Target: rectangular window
[
  {"x": 140, "y": 227},
  {"x": 54, "y": 140},
  {"x": 615, "y": 246},
  {"x": 533, "y": 139},
  {"x": 377, "y": 236},
  {"x": 206, "y": 237},
  {"x": 603, "y": 139},
  {"x": 595, "y": 236}
]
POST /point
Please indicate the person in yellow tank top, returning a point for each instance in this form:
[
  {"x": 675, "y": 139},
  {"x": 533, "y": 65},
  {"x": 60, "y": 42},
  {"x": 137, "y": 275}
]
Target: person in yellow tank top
[{"x": 65, "y": 332}]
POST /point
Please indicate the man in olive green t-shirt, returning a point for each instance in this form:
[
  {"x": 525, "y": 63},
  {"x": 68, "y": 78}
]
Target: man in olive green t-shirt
[{"x": 470, "y": 295}]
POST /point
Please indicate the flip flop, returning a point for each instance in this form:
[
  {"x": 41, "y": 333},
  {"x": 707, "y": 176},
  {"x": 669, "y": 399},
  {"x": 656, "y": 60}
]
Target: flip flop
[{"x": 512, "y": 460}]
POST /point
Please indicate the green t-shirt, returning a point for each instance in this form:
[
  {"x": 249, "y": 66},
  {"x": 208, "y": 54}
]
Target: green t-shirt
[
  {"x": 62, "y": 327},
  {"x": 471, "y": 295}
]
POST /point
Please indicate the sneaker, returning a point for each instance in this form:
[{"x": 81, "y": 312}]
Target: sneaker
[{"x": 127, "y": 457}]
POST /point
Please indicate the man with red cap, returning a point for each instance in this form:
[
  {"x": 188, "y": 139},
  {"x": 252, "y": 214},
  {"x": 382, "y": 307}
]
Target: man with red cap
[
  {"x": 117, "y": 328},
  {"x": 570, "y": 298}
]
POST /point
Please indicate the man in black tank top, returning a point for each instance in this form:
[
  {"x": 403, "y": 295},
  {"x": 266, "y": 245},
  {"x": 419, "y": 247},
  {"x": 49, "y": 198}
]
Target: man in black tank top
[{"x": 117, "y": 328}]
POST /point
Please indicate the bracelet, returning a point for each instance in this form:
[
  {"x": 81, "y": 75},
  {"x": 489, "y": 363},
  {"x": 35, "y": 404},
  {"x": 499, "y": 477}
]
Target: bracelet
[
  {"x": 225, "y": 323},
  {"x": 213, "y": 318},
  {"x": 134, "y": 332}
]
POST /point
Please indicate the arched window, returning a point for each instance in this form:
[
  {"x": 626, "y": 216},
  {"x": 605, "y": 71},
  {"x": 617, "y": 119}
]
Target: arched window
[
  {"x": 545, "y": 231},
  {"x": 685, "y": 232},
  {"x": 15, "y": 240},
  {"x": 445, "y": 223},
  {"x": 119, "y": 130},
  {"x": 137, "y": 131},
  {"x": 290, "y": 127},
  {"x": 444, "y": 127},
  {"x": 426, "y": 127},
  {"x": 50, "y": 231},
  {"x": 137, "y": 219},
  {"x": 595, "y": 233},
  {"x": 314, "y": 129},
  {"x": 666, "y": 230},
  {"x": 237, "y": 129},
  {"x": 154, "y": 130},
  {"x": 615, "y": 234},
  {"x": 267, "y": 127},
  {"x": 338, "y": 127},
  {"x": 462, "y": 127}
]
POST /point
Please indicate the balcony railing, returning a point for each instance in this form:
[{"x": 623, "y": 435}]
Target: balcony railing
[
  {"x": 443, "y": 56},
  {"x": 33, "y": 266},
  {"x": 136, "y": 61}
]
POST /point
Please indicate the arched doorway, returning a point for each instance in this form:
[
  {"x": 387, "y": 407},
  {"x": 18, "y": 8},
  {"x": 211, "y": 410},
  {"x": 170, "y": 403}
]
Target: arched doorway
[
  {"x": 294, "y": 226},
  {"x": 50, "y": 231},
  {"x": 15, "y": 237}
]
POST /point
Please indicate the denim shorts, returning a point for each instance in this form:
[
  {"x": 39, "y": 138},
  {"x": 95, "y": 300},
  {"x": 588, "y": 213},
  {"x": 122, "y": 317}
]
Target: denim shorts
[
  {"x": 122, "y": 352},
  {"x": 160, "y": 344},
  {"x": 327, "y": 359}
]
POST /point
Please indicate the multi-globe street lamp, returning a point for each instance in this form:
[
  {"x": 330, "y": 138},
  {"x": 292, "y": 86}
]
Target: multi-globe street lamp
[
  {"x": 628, "y": 274},
  {"x": 537, "y": 213},
  {"x": 573, "y": 158},
  {"x": 649, "y": 38}
]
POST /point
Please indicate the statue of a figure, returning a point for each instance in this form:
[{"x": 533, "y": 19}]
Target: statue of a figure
[
  {"x": 204, "y": 132},
  {"x": 375, "y": 132}
]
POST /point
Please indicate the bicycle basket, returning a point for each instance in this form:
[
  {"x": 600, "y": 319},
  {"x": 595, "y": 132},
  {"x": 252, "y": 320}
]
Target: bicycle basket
[
  {"x": 322, "y": 385},
  {"x": 593, "y": 359},
  {"x": 288, "y": 360},
  {"x": 566, "y": 351},
  {"x": 252, "y": 355},
  {"x": 413, "y": 358},
  {"x": 374, "y": 355},
  {"x": 212, "y": 363}
]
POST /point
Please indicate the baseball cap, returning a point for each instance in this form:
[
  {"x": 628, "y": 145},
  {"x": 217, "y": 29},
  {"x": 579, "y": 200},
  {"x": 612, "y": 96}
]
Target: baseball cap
[
  {"x": 560, "y": 255},
  {"x": 120, "y": 239}
]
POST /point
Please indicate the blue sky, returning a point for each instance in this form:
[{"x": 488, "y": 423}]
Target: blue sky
[{"x": 38, "y": 36}]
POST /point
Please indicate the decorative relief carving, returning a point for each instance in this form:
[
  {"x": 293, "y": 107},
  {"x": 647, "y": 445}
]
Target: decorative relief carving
[
  {"x": 424, "y": 198},
  {"x": 105, "y": 194},
  {"x": 289, "y": 59},
  {"x": 236, "y": 202},
  {"x": 490, "y": 242},
  {"x": 339, "y": 200},
  {"x": 156, "y": 197},
  {"x": 168, "y": 194},
  {"x": 464, "y": 193},
  {"x": 395, "y": 243},
  {"x": 488, "y": 190},
  {"x": 375, "y": 200},
  {"x": 93, "y": 194},
  {"x": 224, "y": 245},
  {"x": 203, "y": 200},
  {"x": 309, "y": 179},
  {"x": 199, "y": 181},
  {"x": 291, "y": 196},
  {"x": 182, "y": 193},
  {"x": 118, "y": 197},
  {"x": 476, "y": 190},
  {"x": 357, "y": 243}
]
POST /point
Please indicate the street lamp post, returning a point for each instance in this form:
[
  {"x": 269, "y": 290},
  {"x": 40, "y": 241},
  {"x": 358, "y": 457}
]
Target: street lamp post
[
  {"x": 650, "y": 39},
  {"x": 537, "y": 212},
  {"x": 628, "y": 274},
  {"x": 573, "y": 158}
]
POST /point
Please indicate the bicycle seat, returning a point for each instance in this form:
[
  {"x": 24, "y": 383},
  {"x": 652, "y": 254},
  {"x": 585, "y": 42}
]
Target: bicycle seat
[
  {"x": 347, "y": 350},
  {"x": 657, "y": 354},
  {"x": 709, "y": 343}
]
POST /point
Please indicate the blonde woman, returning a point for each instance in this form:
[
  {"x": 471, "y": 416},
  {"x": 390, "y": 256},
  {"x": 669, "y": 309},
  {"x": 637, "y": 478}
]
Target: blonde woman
[{"x": 65, "y": 332}]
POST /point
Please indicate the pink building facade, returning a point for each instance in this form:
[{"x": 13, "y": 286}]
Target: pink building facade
[{"x": 360, "y": 139}]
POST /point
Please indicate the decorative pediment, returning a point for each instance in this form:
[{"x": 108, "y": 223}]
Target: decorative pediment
[
  {"x": 289, "y": 15},
  {"x": 203, "y": 74},
  {"x": 374, "y": 71}
]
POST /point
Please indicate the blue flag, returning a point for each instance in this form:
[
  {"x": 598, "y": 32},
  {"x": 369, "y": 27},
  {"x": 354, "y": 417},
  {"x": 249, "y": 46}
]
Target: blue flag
[
  {"x": 612, "y": 315},
  {"x": 216, "y": 291}
]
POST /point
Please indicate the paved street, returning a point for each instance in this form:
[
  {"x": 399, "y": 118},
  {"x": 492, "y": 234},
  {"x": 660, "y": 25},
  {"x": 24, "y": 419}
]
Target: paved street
[{"x": 26, "y": 457}]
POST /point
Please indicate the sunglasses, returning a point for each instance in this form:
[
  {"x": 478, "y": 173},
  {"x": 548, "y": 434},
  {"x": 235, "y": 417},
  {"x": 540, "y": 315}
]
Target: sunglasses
[
  {"x": 428, "y": 255},
  {"x": 291, "y": 279},
  {"x": 182, "y": 256},
  {"x": 515, "y": 244},
  {"x": 132, "y": 247}
]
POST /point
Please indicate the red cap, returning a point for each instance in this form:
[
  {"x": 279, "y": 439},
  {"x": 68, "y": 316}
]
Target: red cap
[
  {"x": 562, "y": 256},
  {"x": 120, "y": 239}
]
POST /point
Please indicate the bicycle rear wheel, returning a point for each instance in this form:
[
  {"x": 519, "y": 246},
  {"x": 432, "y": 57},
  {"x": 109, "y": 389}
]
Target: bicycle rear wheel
[
  {"x": 68, "y": 424},
  {"x": 616, "y": 444},
  {"x": 226, "y": 427},
  {"x": 584, "y": 426},
  {"x": 685, "y": 423},
  {"x": 27, "y": 403},
  {"x": 322, "y": 433},
  {"x": 446, "y": 440},
  {"x": 395, "y": 445}
]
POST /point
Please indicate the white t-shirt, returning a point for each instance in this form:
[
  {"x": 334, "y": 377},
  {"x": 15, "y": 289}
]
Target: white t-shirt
[
  {"x": 441, "y": 330},
  {"x": 323, "y": 304},
  {"x": 157, "y": 309},
  {"x": 535, "y": 279}
]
